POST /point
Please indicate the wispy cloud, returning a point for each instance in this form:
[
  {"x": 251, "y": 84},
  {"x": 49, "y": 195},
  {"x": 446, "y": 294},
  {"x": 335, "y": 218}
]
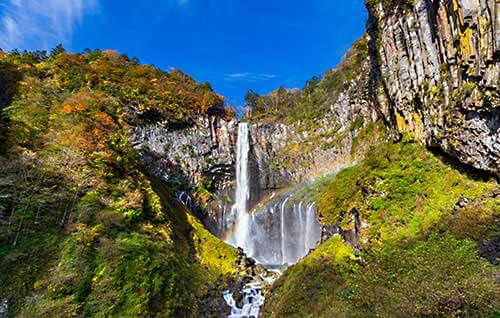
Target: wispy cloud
[
  {"x": 250, "y": 77},
  {"x": 41, "y": 23}
]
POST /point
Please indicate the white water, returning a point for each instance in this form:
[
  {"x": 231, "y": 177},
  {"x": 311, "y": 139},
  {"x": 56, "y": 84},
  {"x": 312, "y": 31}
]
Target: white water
[
  {"x": 185, "y": 199},
  {"x": 283, "y": 236},
  {"x": 273, "y": 239},
  {"x": 239, "y": 209},
  {"x": 252, "y": 301}
]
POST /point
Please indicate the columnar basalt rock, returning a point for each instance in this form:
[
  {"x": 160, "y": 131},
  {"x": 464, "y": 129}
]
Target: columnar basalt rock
[
  {"x": 440, "y": 62},
  {"x": 433, "y": 71}
]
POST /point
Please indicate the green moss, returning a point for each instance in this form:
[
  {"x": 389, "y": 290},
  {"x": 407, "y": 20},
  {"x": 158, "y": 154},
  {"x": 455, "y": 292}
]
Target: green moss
[
  {"x": 357, "y": 123},
  {"x": 368, "y": 136},
  {"x": 478, "y": 220},
  {"x": 216, "y": 256},
  {"x": 444, "y": 275},
  {"x": 332, "y": 204},
  {"x": 414, "y": 241},
  {"x": 27, "y": 262},
  {"x": 402, "y": 190},
  {"x": 164, "y": 268},
  {"x": 391, "y": 4},
  {"x": 306, "y": 289}
]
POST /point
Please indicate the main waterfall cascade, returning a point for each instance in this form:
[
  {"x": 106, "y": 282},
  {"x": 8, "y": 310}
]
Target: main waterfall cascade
[
  {"x": 239, "y": 216},
  {"x": 278, "y": 234}
]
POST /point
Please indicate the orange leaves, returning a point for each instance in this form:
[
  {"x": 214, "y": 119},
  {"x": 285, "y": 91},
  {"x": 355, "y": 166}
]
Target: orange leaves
[
  {"x": 74, "y": 107},
  {"x": 69, "y": 62},
  {"x": 111, "y": 54},
  {"x": 104, "y": 119}
]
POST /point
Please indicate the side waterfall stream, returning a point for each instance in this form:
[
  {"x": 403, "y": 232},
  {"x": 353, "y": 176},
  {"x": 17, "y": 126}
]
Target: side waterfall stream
[{"x": 276, "y": 235}]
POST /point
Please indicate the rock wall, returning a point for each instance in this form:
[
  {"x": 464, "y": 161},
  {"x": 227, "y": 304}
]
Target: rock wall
[
  {"x": 201, "y": 155},
  {"x": 198, "y": 160},
  {"x": 284, "y": 155},
  {"x": 433, "y": 72},
  {"x": 439, "y": 64}
]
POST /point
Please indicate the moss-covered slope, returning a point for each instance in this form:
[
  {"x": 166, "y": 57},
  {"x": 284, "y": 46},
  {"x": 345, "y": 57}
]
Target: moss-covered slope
[
  {"x": 423, "y": 225},
  {"x": 83, "y": 230}
]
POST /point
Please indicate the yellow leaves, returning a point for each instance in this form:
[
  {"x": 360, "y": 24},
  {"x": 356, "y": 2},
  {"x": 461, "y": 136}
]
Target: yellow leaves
[
  {"x": 466, "y": 43},
  {"x": 132, "y": 200}
]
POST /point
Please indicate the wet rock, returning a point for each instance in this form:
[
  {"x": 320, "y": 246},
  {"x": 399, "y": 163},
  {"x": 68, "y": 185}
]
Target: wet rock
[
  {"x": 329, "y": 231},
  {"x": 349, "y": 226},
  {"x": 490, "y": 249},
  {"x": 249, "y": 262},
  {"x": 462, "y": 202},
  {"x": 4, "y": 307}
]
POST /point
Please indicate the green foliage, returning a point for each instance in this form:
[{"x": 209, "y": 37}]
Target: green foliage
[
  {"x": 445, "y": 276},
  {"x": 391, "y": 4},
  {"x": 83, "y": 231},
  {"x": 251, "y": 99},
  {"x": 9, "y": 81},
  {"x": 368, "y": 136},
  {"x": 307, "y": 289},
  {"x": 402, "y": 189},
  {"x": 414, "y": 241}
]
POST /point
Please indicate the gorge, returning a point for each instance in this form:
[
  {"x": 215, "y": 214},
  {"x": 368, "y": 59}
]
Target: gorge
[{"x": 127, "y": 191}]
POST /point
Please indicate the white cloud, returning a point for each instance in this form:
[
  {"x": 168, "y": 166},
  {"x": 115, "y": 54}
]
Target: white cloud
[
  {"x": 250, "y": 77},
  {"x": 40, "y": 24}
]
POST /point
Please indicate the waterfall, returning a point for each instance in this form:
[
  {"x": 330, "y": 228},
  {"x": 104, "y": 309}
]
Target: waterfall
[
  {"x": 279, "y": 233},
  {"x": 302, "y": 227},
  {"x": 252, "y": 301},
  {"x": 273, "y": 239},
  {"x": 239, "y": 209},
  {"x": 283, "y": 237}
]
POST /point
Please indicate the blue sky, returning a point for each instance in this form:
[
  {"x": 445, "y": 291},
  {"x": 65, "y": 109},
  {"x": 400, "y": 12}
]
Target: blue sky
[{"x": 235, "y": 45}]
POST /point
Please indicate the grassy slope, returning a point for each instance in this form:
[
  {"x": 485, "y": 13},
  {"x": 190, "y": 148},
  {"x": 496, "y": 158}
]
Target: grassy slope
[
  {"x": 83, "y": 231},
  {"x": 418, "y": 258}
]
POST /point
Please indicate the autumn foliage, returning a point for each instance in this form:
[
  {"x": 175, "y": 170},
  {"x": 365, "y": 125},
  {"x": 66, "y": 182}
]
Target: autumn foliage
[{"x": 80, "y": 224}]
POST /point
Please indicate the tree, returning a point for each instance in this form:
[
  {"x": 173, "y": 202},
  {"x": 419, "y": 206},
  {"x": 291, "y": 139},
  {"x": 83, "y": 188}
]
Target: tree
[
  {"x": 311, "y": 85},
  {"x": 57, "y": 50},
  {"x": 251, "y": 99}
]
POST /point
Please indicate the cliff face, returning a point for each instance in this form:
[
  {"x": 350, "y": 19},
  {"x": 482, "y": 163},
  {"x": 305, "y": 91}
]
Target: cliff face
[
  {"x": 201, "y": 156},
  {"x": 197, "y": 159},
  {"x": 286, "y": 154},
  {"x": 439, "y": 64},
  {"x": 432, "y": 71}
]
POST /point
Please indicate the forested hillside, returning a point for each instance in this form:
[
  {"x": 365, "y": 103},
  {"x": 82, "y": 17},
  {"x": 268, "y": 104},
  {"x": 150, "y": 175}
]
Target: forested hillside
[{"x": 84, "y": 230}]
